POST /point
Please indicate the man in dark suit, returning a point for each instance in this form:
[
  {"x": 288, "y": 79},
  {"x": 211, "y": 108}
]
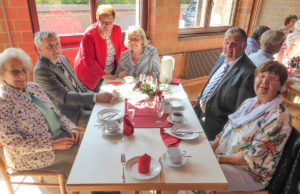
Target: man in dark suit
[
  {"x": 55, "y": 74},
  {"x": 229, "y": 84}
]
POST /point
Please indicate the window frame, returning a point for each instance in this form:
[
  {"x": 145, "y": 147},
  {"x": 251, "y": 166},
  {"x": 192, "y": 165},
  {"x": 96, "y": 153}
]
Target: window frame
[
  {"x": 73, "y": 40},
  {"x": 206, "y": 30}
]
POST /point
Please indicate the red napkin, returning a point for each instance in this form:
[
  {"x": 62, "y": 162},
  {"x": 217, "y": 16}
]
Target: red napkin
[
  {"x": 115, "y": 83},
  {"x": 176, "y": 81},
  {"x": 169, "y": 140},
  {"x": 144, "y": 164},
  {"x": 128, "y": 128}
]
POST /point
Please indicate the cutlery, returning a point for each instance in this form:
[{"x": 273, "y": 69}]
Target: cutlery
[
  {"x": 161, "y": 171},
  {"x": 123, "y": 162},
  {"x": 109, "y": 116}
]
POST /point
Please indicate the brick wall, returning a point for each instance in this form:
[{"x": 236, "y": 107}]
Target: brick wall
[
  {"x": 273, "y": 12},
  {"x": 162, "y": 28}
]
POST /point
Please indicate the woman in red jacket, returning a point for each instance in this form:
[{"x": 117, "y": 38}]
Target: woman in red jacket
[{"x": 100, "y": 49}]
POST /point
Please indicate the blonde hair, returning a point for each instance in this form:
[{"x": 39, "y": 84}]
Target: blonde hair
[
  {"x": 271, "y": 38},
  {"x": 135, "y": 30},
  {"x": 105, "y": 10}
]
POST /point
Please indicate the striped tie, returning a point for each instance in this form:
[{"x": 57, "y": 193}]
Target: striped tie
[{"x": 213, "y": 83}]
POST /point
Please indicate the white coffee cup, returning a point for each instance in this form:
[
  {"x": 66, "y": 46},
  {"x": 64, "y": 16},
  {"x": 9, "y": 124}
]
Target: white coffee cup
[
  {"x": 129, "y": 79},
  {"x": 177, "y": 117},
  {"x": 174, "y": 155}
]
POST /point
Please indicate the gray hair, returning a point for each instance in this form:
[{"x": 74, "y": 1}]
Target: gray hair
[
  {"x": 271, "y": 38},
  {"x": 258, "y": 31},
  {"x": 44, "y": 34},
  {"x": 10, "y": 53},
  {"x": 136, "y": 30},
  {"x": 237, "y": 31}
]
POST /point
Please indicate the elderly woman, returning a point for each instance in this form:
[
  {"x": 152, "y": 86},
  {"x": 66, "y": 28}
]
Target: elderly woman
[
  {"x": 251, "y": 143},
  {"x": 140, "y": 58},
  {"x": 100, "y": 49},
  {"x": 34, "y": 134}
]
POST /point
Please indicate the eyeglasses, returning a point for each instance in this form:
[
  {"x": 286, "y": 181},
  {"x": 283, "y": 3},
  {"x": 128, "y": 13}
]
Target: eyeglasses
[
  {"x": 107, "y": 23},
  {"x": 135, "y": 39},
  {"x": 270, "y": 79}
]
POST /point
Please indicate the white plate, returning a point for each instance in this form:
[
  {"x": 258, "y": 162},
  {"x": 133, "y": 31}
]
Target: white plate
[
  {"x": 176, "y": 102},
  {"x": 110, "y": 114},
  {"x": 170, "y": 120},
  {"x": 132, "y": 168},
  {"x": 182, "y": 128},
  {"x": 169, "y": 163}
]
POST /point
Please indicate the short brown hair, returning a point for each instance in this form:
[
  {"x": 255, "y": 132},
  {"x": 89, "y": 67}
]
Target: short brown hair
[
  {"x": 275, "y": 67},
  {"x": 105, "y": 10},
  {"x": 289, "y": 18},
  {"x": 258, "y": 31}
]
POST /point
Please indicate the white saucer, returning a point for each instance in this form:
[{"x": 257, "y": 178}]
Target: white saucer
[
  {"x": 170, "y": 120},
  {"x": 132, "y": 168},
  {"x": 169, "y": 163}
]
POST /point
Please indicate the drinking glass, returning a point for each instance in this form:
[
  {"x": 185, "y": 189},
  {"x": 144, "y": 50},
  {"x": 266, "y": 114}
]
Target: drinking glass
[
  {"x": 131, "y": 111},
  {"x": 159, "y": 112},
  {"x": 149, "y": 80},
  {"x": 142, "y": 77}
]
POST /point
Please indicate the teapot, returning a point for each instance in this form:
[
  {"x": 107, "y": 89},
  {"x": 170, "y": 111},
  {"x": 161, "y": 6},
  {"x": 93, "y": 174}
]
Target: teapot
[{"x": 166, "y": 69}]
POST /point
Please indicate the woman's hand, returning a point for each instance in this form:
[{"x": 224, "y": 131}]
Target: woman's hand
[
  {"x": 215, "y": 143},
  {"x": 122, "y": 74},
  {"x": 109, "y": 76},
  {"x": 76, "y": 135},
  {"x": 62, "y": 143},
  {"x": 149, "y": 74}
]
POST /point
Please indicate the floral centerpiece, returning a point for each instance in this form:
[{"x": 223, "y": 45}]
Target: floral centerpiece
[
  {"x": 155, "y": 95},
  {"x": 294, "y": 63}
]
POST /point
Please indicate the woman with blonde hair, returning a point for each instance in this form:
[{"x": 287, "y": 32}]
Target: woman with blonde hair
[
  {"x": 100, "y": 49},
  {"x": 140, "y": 58}
]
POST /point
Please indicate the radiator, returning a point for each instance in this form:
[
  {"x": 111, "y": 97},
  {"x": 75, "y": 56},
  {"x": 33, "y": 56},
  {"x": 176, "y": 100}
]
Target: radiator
[{"x": 200, "y": 63}]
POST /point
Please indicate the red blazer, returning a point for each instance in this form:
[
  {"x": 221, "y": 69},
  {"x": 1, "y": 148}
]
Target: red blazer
[{"x": 91, "y": 57}]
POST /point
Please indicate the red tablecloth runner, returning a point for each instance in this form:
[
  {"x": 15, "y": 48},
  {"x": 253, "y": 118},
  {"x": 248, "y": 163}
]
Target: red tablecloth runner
[{"x": 146, "y": 117}]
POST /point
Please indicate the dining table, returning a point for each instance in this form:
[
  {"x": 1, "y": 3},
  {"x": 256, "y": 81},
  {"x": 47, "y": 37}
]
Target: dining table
[{"x": 98, "y": 166}]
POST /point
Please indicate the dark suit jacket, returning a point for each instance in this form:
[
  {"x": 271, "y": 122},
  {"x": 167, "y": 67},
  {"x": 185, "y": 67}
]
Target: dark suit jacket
[
  {"x": 60, "y": 89},
  {"x": 236, "y": 86}
]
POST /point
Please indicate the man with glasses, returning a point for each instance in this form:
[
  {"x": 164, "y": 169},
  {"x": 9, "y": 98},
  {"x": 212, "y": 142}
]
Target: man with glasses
[
  {"x": 229, "y": 84},
  {"x": 55, "y": 74}
]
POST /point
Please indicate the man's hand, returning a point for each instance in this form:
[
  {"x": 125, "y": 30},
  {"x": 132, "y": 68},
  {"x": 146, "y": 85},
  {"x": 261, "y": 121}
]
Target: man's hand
[
  {"x": 149, "y": 74},
  {"x": 109, "y": 76},
  {"x": 62, "y": 143},
  {"x": 76, "y": 135},
  {"x": 194, "y": 102},
  {"x": 122, "y": 74},
  {"x": 104, "y": 97}
]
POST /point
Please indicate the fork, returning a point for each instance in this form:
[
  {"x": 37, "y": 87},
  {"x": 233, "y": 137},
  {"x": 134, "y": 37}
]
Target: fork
[{"x": 123, "y": 162}]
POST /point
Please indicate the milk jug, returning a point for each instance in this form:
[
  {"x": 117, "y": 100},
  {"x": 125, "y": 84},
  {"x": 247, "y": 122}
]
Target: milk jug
[{"x": 166, "y": 69}]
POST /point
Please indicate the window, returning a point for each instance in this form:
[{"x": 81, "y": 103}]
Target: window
[
  {"x": 70, "y": 18},
  {"x": 203, "y": 16}
]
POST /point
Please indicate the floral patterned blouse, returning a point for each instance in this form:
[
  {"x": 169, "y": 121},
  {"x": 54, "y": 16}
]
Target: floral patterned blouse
[
  {"x": 24, "y": 132},
  {"x": 263, "y": 148}
]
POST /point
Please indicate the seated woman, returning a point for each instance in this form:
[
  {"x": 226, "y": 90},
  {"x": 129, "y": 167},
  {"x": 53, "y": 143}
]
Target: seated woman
[
  {"x": 289, "y": 23},
  {"x": 34, "y": 134},
  {"x": 100, "y": 49},
  {"x": 251, "y": 143},
  {"x": 140, "y": 58}
]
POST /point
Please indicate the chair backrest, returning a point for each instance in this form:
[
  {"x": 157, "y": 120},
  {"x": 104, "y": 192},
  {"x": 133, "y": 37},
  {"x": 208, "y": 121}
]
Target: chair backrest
[{"x": 287, "y": 174}]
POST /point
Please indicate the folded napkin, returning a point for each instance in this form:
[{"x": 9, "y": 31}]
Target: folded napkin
[
  {"x": 115, "y": 83},
  {"x": 144, "y": 162},
  {"x": 176, "y": 81},
  {"x": 169, "y": 140},
  {"x": 128, "y": 128}
]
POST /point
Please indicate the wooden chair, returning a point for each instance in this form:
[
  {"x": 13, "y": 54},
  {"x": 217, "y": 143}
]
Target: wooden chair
[
  {"x": 7, "y": 175},
  {"x": 286, "y": 177}
]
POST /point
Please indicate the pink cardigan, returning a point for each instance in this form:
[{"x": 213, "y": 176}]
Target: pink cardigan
[{"x": 91, "y": 57}]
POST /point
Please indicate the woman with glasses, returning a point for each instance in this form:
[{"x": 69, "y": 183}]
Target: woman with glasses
[
  {"x": 252, "y": 141},
  {"x": 100, "y": 49},
  {"x": 140, "y": 58}
]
